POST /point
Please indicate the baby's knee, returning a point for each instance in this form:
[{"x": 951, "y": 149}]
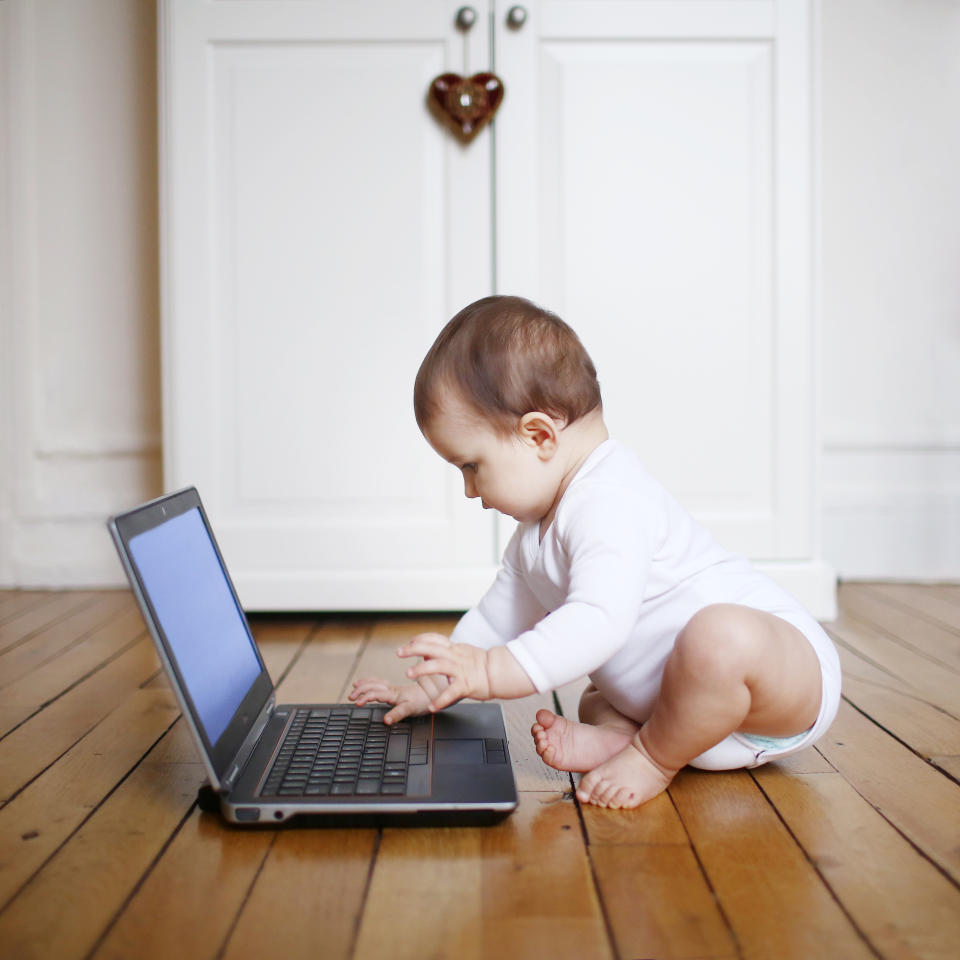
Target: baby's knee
[{"x": 717, "y": 640}]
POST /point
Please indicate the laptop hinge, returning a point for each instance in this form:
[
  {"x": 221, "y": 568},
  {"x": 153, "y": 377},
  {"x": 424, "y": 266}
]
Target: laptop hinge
[{"x": 247, "y": 747}]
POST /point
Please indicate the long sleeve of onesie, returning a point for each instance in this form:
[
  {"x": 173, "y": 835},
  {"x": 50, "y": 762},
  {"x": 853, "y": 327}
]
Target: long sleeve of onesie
[
  {"x": 506, "y": 610},
  {"x": 601, "y": 544}
]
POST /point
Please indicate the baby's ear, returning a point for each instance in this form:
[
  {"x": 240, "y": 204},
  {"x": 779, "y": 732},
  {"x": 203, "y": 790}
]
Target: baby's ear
[{"x": 540, "y": 431}]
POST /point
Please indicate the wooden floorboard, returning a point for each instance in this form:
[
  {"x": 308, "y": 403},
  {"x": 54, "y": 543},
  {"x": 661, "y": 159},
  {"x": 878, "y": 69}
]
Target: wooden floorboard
[{"x": 848, "y": 849}]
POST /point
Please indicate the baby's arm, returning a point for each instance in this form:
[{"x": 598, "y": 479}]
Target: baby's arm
[
  {"x": 507, "y": 609},
  {"x": 471, "y": 671}
]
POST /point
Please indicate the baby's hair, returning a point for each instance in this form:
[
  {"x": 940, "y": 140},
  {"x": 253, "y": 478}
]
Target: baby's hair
[{"x": 506, "y": 356}]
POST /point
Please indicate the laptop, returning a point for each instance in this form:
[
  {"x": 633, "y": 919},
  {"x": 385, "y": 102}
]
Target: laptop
[{"x": 318, "y": 763}]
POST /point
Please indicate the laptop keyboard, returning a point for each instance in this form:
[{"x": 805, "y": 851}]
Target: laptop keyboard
[{"x": 346, "y": 751}]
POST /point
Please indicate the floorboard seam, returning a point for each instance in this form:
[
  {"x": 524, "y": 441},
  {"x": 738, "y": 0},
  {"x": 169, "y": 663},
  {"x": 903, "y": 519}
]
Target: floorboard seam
[
  {"x": 368, "y": 883},
  {"x": 246, "y": 898},
  {"x": 585, "y": 835},
  {"x": 706, "y": 879},
  {"x": 879, "y": 810},
  {"x": 311, "y": 633},
  {"x": 140, "y": 882},
  {"x": 361, "y": 650},
  {"x": 902, "y": 642},
  {"x": 826, "y": 883},
  {"x": 92, "y": 812},
  {"x": 100, "y": 666},
  {"x": 46, "y": 626},
  {"x": 906, "y": 607}
]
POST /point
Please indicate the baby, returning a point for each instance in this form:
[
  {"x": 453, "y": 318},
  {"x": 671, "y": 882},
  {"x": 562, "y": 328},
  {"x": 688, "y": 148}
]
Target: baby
[{"x": 693, "y": 657}]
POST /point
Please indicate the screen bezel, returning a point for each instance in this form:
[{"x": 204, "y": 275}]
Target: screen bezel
[{"x": 148, "y": 517}]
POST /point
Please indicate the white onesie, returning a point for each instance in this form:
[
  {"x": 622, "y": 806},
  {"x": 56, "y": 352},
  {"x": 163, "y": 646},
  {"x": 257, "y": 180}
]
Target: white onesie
[{"x": 618, "y": 574}]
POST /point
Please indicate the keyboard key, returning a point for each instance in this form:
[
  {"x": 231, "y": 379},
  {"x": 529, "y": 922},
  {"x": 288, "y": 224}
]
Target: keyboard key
[
  {"x": 368, "y": 786},
  {"x": 397, "y": 749},
  {"x": 343, "y": 789},
  {"x": 393, "y": 788}
]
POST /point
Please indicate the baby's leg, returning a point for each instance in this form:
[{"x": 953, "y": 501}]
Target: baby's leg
[
  {"x": 595, "y": 709},
  {"x": 578, "y": 747},
  {"x": 733, "y": 668}
]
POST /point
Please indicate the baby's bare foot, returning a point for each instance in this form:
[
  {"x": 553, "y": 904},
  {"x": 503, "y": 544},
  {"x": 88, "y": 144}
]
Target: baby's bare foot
[
  {"x": 575, "y": 747},
  {"x": 630, "y": 778}
]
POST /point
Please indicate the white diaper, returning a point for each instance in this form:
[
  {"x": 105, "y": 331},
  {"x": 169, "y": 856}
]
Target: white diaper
[{"x": 746, "y": 750}]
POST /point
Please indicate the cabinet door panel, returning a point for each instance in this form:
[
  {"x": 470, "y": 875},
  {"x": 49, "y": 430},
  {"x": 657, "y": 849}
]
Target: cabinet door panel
[
  {"x": 644, "y": 193},
  {"x": 321, "y": 226}
]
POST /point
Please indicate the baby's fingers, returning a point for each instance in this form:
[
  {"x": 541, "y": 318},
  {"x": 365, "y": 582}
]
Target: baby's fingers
[
  {"x": 365, "y": 691},
  {"x": 429, "y": 667},
  {"x": 426, "y": 645},
  {"x": 399, "y": 712},
  {"x": 449, "y": 696}
]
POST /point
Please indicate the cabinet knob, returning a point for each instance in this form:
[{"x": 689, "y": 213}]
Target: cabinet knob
[
  {"x": 516, "y": 17},
  {"x": 466, "y": 18}
]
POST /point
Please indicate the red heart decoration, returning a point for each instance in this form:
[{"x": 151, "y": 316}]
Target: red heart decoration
[{"x": 466, "y": 104}]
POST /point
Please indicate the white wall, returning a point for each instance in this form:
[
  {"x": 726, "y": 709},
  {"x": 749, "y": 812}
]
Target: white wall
[
  {"x": 78, "y": 265},
  {"x": 79, "y": 378},
  {"x": 890, "y": 153}
]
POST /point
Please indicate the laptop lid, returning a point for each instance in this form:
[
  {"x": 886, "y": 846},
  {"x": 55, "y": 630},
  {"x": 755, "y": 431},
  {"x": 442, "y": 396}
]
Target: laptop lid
[{"x": 191, "y": 607}]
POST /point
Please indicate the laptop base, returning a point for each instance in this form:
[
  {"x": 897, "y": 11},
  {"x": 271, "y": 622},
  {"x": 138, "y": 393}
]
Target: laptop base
[{"x": 208, "y": 800}]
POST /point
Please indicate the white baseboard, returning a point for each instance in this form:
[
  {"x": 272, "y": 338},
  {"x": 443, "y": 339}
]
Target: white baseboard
[
  {"x": 892, "y": 513},
  {"x": 63, "y": 555},
  {"x": 813, "y": 583},
  {"x": 366, "y": 590},
  {"x": 911, "y": 541}
]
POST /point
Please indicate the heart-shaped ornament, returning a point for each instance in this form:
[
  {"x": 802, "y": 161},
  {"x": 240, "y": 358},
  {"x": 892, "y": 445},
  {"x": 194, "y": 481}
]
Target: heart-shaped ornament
[{"x": 466, "y": 104}]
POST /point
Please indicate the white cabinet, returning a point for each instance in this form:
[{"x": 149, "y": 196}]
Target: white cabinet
[{"x": 648, "y": 177}]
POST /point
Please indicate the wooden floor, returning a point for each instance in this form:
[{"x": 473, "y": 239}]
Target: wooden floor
[{"x": 850, "y": 849}]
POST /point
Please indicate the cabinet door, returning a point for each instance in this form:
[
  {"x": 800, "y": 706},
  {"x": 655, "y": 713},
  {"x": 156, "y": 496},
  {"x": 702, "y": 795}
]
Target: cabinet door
[
  {"x": 653, "y": 187},
  {"x": 319, "y": 227}
]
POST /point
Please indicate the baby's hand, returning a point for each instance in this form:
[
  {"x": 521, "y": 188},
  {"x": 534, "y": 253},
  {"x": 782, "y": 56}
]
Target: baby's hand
[
  {"x": 409, "y": 699},
  {"x": 463, "y": 665}
]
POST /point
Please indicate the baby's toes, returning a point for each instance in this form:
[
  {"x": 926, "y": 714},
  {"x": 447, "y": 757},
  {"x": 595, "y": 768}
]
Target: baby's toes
[
  {"x": 587, "y": 789},
  {"x": 619, "y": 799},
  {"x": 604, "y": 793}
]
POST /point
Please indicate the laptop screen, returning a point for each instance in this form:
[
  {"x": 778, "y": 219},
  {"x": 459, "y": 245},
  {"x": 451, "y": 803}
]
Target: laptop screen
[{"x": 205, "y": 629}]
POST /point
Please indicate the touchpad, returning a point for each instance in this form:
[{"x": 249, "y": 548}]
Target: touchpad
[{"x": 458, "y": 751}]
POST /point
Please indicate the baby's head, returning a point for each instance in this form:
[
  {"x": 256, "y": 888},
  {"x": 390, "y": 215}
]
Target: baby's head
[
  {"x": 505, "y": 357},
  {"x": 508, "y": 395}
]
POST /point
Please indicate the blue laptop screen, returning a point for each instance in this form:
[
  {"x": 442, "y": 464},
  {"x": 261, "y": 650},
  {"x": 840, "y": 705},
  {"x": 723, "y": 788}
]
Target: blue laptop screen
[{"x": 205, "y": 629}]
